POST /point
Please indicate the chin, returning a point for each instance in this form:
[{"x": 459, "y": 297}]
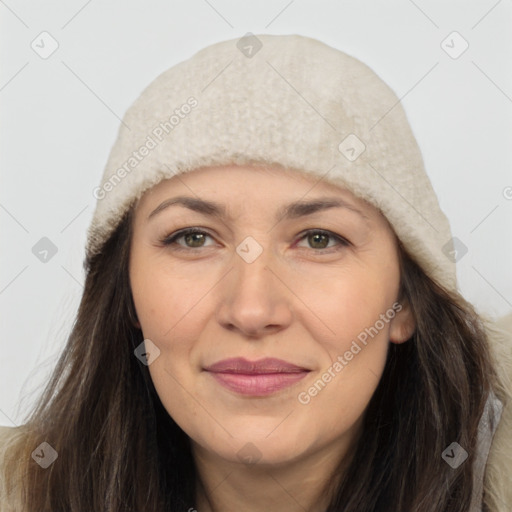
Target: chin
[{"x": 259, "y": 449}]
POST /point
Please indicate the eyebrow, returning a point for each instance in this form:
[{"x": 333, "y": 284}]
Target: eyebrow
[{"x": 289, "y": 211}]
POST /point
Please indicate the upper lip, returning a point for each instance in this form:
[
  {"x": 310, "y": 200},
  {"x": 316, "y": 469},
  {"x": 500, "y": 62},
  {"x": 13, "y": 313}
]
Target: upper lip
[{"x": 266, "y": 365}]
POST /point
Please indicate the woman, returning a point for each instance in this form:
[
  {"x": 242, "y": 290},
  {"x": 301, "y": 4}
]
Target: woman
[{"x": 270, "y": 319}]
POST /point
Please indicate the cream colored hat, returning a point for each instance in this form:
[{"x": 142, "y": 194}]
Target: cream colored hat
[{"x": 284, "y": 100}]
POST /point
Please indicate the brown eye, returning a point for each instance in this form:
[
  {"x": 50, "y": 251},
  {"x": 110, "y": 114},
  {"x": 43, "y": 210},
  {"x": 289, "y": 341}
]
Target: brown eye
[
  {"x": 320, "y": 239},
  {"x": 193, "y": 239}
]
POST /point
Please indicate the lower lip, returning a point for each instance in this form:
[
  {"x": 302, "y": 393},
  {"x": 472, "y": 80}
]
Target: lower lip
[{"x": 257, "y": 384}]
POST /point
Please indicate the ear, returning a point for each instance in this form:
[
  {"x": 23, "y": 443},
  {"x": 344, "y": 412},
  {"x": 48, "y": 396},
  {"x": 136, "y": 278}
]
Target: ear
[
  {"x": 135, "y": 321},
  {"x": 132, "y": 314},
  {"x": 402, "y": 325}
]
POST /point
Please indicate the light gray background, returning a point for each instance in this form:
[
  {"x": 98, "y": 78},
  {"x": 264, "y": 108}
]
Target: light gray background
[{"x": 60, "y": 116}]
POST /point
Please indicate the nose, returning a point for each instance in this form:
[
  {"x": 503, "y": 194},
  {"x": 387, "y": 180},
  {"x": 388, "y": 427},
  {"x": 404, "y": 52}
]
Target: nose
[{"x": 255, "y": 299}]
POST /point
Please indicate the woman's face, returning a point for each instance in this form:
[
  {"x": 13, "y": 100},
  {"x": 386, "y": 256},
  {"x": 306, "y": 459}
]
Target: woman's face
[{"x": 312, "y": 289}]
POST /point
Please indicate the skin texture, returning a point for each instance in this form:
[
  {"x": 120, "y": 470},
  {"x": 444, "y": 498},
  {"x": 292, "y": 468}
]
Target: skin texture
[{"x": 304, "y": 299}]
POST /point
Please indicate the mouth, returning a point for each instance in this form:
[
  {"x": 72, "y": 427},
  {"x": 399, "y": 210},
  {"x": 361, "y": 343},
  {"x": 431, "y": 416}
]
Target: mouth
[{"x": 256, "y": 378}]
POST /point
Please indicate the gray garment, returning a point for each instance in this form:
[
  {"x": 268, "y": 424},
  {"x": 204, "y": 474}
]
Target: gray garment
[{"x": 486, "y": 429}]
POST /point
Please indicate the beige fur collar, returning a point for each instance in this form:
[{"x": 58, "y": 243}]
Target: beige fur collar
[{"x": 498, "y": 473}]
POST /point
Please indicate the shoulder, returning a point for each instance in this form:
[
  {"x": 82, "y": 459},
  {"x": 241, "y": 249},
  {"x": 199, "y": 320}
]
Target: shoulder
[
  {"x": 8, "y": 436},
  {"x": 498, "y": 480}
]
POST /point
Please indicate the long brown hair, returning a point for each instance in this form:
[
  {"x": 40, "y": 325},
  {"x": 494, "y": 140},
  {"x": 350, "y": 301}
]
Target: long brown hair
[{"x": 120, "y": 451}]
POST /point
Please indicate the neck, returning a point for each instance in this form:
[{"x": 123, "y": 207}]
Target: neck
[{"x": 304, "y": 484}]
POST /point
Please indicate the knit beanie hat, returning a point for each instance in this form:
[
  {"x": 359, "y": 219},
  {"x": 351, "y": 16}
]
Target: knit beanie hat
[{"x": 287, "y": 101}]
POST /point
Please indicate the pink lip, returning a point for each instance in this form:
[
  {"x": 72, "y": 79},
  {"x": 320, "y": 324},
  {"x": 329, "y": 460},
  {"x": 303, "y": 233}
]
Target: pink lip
[{"x": 257, "y": 378}]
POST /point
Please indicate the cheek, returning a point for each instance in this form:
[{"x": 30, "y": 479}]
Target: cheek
[
  {"x": 355, "y": 359},
  {"x": 357, "y": 308},
  {"x": 168, "y": 309},
  {"x": 353, "y": 301},
  {"x": 163, "y": 300}
]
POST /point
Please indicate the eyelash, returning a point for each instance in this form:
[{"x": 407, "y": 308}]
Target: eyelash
[{"x": 171, "y": 239}]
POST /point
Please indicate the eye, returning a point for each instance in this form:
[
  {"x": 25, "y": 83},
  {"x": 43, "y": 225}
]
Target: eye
[
  {"x": 319, "y": 239},
  {"x": 194, "y": 238}
]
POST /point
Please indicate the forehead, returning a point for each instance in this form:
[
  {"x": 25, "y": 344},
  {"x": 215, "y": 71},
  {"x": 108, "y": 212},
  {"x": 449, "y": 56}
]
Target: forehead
[{"x": 269, "y": 185}]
